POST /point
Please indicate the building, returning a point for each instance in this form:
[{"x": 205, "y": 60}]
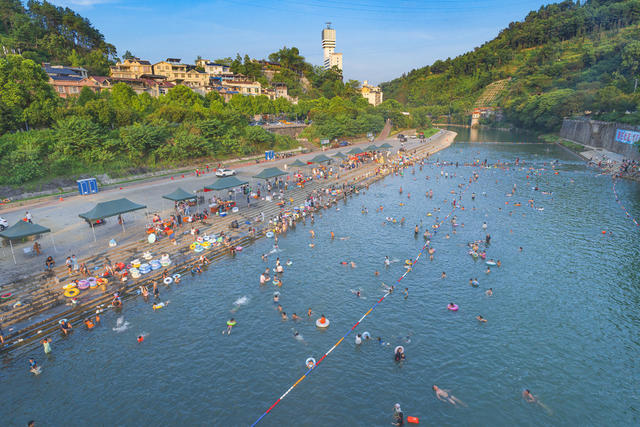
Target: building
[
  {"x": 67, "y": 81},
  {"x": 131, "y": 68},
  {"x": 172, "y": 69},
  {"x": 373, "y": 94},
  {"x": 63, "y": 71},
  {"x": 331, "y": 58},
  {"x": 212, "y": 68},
  {"x": 153, "y": 86},
  {"x": 195, "y": 78},
  {"x": 244, "y": 87}
]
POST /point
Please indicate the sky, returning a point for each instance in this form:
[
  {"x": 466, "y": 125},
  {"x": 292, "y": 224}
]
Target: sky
[{"x": 380, "y": 40}]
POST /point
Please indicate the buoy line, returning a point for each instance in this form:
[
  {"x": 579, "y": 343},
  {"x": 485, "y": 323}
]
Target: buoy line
[{"x": 312, "y": 368}]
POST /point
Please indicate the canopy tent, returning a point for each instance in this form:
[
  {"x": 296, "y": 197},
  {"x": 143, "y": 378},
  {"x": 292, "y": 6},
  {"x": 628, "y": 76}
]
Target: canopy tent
[
  {"x": 298, "y": 164},
  {"x": 321, "y": 158},
  {"x": 386, "y": 145},
  {"x": 269, "y": 173},
  {"x": 179, "y": 195},
  {"x": 224, "y": 183},
  {"x": 355, "y": 150},
  {"x": 372, "y": 147},
  {"x": 340, "y": 155},
  {"x": 108, "y": 209},
  {"x": 23, "y": 229}
]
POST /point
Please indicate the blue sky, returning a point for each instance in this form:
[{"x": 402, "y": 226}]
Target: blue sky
[{"x": 379, "y": 39}]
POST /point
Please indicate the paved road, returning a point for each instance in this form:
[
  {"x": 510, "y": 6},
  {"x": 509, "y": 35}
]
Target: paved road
[{"x": 73, "y": 236}]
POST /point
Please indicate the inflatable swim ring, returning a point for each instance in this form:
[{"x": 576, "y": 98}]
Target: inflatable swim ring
[
  {"x": 235, "y": 209},
  {"x": 395, "y": 350},
  {"x": 151, "y": 238},
  {"x": 269, "y": 234},
  {"x": 322, "y": 325},
  {"x": 230, "y": 323},
  {"x": 71, "y": 292},
  {"x": 198, "y": 249},
  {"x": 6, "y": 296},
  {"x": 205, "y": 244},
  {"x": 193, "y": 246},
  {"x": 176, "y": 276},
  {"x": 239, "y": 248},
  {"x": 366, "y": 335},
  {"x": 453, "y": 307},
  {"x": 490, "y": 263},
  {"x": 69, "y": 286},
  {"x": 199, "y": 240},
  {"x": 167, "y": 280},
  {"x": 102, "y": 281},
  {"x": 83, "y": 284},
  {"x": 61, "y": 321},
  {"x": 310, "y": 362}
]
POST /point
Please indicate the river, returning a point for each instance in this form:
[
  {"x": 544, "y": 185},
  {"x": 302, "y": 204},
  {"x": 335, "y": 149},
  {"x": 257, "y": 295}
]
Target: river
[{"x": 563, "y": 321}]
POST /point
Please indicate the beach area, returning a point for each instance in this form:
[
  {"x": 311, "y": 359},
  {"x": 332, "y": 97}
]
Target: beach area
[{"x": 415, "y": 257}]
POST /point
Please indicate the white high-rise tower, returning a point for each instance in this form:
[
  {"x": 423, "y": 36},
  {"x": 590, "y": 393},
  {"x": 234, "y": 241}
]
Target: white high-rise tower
[{"x": 331, "y": 58}]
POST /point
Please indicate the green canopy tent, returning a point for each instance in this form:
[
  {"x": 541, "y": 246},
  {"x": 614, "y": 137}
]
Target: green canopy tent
[
  {"x": 298, "y": 164},
  {"x": 355, "y": 150},
  {"x": 269, "y": 173},
  {"x": 108, "y": 209},
  {"x": 179, "y": 195},
  {"x": 321, "y": 158},
  {"x": 386, "y": 145},
  {"x": 23, "y": 229},
  {"x": 224, "y": 183},
  {"x": 340, "y": 155},
  {"x": 372, "y": 147}
]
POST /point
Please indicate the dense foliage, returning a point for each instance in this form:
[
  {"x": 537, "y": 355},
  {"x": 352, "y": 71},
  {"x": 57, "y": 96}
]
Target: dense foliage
[
  {"x": 47, "y": 33},
  {"x": 564, "y": 59}
]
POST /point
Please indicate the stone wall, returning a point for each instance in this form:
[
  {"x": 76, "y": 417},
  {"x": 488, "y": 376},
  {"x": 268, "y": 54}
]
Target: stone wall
[
  {"x": 599, "y": 134},
  {"x": 290, "y": 130}
]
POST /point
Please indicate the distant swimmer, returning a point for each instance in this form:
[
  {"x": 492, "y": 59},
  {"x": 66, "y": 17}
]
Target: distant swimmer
[
  {"x": 406, "y": 293},
  {"x": 484, "y": 225},
  {"x": 387, "y": 261},
  {"x": 295, "y": 317},
  {"x": 33, "y": 367},
  {"x": 297, "y": 336},
  {"x": 353, "y": 264},
  {"x": 309, "y": 313},
  {"x": 443, "y": 275},
  {"x": 416, "y": 230},
  {"x": 230, "y": 324},
  {"x": 332, "y": 235},
  {"x": 312, "y": 233},
  {"x": 481, "y": 319},
  {"x": 276, "y": 297},
  {"x": 46, "y": 344},
  {"x": 284, "y": 315},
  {"x": 489, "y": 292},
  {"x": 399, "y": 354},
  {"x": 358, "y": 339},
  {"x": 446, "y": 396},
  {"x": 528, "y": 396},
  {"x": 140, "y": 338}
]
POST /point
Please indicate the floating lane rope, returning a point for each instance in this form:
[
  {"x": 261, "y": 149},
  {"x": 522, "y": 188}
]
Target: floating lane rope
[
  {"x": 357, "y": 323},
  {"x": 615, "y": 193}
]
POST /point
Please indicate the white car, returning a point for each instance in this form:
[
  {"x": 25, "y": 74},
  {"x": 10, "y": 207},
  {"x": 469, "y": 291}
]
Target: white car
[
  {"x": 3, "y": 223},
  {"x": 225, "y": 172}
]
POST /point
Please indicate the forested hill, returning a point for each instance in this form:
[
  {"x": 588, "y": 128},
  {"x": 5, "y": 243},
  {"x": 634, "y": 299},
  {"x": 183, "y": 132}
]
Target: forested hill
[
  {"x": 564, "y": 59},
  {"x": 46, "y": 33}
]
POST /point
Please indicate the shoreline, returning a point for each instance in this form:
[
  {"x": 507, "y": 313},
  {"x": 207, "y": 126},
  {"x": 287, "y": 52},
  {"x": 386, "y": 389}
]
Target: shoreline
[{"x": 360, "y": 177}]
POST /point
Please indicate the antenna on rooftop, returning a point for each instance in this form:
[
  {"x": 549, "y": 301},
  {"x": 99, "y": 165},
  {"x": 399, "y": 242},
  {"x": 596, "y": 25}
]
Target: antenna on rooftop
[{"x": 328, "y": 25}]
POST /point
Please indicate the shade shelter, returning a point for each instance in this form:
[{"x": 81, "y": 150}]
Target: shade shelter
[
  {"x": 179, "y": 195},
  {"x": 224, "y": 183},
  {"x": 340, "y": 155},
  {"x": 321, "y": 158},
  {"x": 108, "y": 209},
  {"x": 269, "y": 173},
  {"x": 298, "y": 164},
  {"x": 372, "y": 147},
  {"x": 385, "y": 145},
  {"x": 23, "y": 229},
  {"x": 355, "y": 150}
]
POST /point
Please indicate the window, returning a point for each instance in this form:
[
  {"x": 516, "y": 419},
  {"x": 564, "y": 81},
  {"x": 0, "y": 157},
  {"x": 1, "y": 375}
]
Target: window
[{"x": 60, "y": 89}]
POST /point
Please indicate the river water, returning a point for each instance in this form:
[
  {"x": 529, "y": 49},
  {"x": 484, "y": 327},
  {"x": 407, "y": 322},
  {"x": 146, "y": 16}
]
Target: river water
[{"x": 563, "y": 321}]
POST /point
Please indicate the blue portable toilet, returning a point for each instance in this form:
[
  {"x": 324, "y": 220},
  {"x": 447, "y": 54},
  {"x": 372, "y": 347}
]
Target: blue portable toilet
[
  {"x": 87, "y": 186},
  {"x": 269, "y": 155}
]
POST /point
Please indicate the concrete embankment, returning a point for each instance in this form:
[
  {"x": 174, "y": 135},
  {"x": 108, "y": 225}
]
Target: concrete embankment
[
  {"x": 44, "y": 304},
  {"x": 601, "y": 135}
]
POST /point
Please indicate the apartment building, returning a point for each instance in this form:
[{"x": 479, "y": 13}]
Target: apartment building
[{"x": 132, "y": 68}]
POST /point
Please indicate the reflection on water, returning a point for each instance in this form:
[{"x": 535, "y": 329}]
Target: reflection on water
[{"x": 466, "y": 134}]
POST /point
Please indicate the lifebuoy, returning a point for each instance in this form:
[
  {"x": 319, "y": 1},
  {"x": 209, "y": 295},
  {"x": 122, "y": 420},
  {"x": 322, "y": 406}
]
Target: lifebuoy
[
  {"x": 167, "y": 280},
  {"x": 6, "y": 296},
  {"x": 71, "y": 292},
  {"x": 310, "y": 362}
]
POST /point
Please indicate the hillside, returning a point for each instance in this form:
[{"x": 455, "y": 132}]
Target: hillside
[
  {"x": 563, "y": 59},
  {"x": 44, "y": 32}
]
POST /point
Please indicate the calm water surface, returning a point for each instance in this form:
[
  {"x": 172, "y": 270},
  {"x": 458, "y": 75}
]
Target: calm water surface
[{"x": 563, "y": 321}]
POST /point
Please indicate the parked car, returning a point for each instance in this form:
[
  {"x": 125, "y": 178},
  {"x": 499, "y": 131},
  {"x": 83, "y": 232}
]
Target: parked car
[
  {"x": 225, "y": 172},
  {"x": 3, "y": 223},
  {"x": 344, "y": 143}
]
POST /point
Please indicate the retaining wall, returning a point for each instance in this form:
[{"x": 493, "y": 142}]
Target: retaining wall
[{"x": 595, "y": 133}]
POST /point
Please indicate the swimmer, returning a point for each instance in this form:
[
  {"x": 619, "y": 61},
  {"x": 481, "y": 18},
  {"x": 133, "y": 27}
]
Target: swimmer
[
  {"x": 295, "y": 317},
  {"x": 264, "y": 257},
  {"x": 88, "y": 323},
  {"x": 406, "y": 293},
  {"x": 488, "y": 270},
  {"x": 398, "y": 415},
  {"x": 289, "y": 262},
  {"x": 353, "y": 264},
  {"x": 528, "y": 396},
  {"x": 399, "y": 355},
  {"x": 489, "y": 292},
  {"x": 481, "y": 319},
  {"x": 312, "y": 233},
  {"x": 297, "y": 335},
  {"x": 46, "y": 344},
  {"x": 284, "y": 315},
  {"x": 279, "y": 307},
  {"x": 332, "y": 235},
  {"x": 311, "y": 245},
  {"x": 356, "y": 293},
  {"x": 176, "y": 279},
  {"x": 443, "y": 275},
  {"x": 376, "y": 273},
  {"x": 276, "y": 297},
  {"x": 416, "y": 230},
  {"x": 230, "y": 324},
  {"x": 33, "y": 367},
  {"x": 358, "y": 339},
  {"x": 66, "y": 327},
  {"x": 140, "y": 338},
  {"x": 520, "y": 248},
  {"x": 387, "y": 261},
  {"x": 144, "y": 291},
  {"x": 445, "y": 396},
  {"x": 498, "y": 263}
]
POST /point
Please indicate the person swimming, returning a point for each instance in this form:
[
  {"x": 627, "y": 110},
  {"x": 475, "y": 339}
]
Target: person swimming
[
  {"x": 276, "y": 297},
  {"x": 446, "y": 396},
  {"x": 140, "y": 338},
  {"x": 481, "y": 319},
  {"x": 489, "y": 292},
  {"x": 387, "y": 261},
  {"x": 399, "y": 354},
  {"x": 230, "y": 324},
  {"x": 358, "y": 339}
]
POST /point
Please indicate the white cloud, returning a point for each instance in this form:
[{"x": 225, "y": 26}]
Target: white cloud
[{"x": 85, "y": 3}]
